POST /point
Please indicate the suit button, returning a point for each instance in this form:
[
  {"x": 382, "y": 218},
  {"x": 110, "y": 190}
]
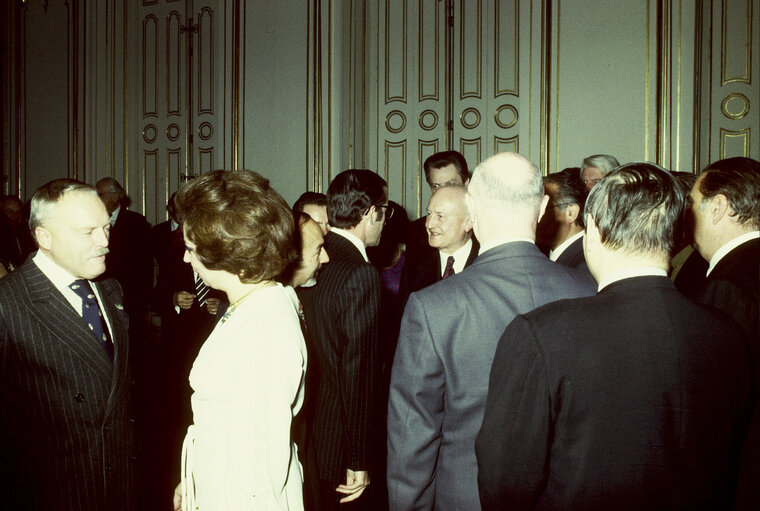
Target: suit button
[
  {"x": 106, "y": 428},
  {"x": 108, "y": 468},
  {"x": 78, "y": 397},
  {"x": 131, "y": 421}
]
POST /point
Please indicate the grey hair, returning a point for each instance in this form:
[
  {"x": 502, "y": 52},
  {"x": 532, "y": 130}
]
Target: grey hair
[
  {"x": 49, "y": 194},
  {"x": 638, "y": 209},
  {"x": 604, "y": 162}
]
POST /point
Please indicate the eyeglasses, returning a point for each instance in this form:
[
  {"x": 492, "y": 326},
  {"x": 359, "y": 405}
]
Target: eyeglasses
[
  {"x": 559, "y": 205},
  {"x": 388, "y": 211}
]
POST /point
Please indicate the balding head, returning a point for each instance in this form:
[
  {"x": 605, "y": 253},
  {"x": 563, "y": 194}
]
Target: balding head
[{"x": 506, "y": 197}]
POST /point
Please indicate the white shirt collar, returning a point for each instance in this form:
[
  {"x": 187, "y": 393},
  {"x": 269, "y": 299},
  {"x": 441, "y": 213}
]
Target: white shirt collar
[
  {"x": 728, "y": 247},
  {"x": 554, "y": 254},
  {"x": 115, "y": 215},
  {"x": 503, "y": 241},
  {"x": 460, "y": 257},
  {"x": 174, "y": 225},
  {"x": 61, "y": 279},
  {"x": 633, "y": 271},
  {"x": 353, "y": 239}
]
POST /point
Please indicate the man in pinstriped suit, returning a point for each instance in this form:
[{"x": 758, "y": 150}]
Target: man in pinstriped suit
[
  {"x": 66, "y": 432},
  {"x": 342, "y": 314}
]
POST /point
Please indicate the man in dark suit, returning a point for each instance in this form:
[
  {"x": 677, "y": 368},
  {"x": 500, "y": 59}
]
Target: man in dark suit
[
  {"x": 449, "y": 230},
  {"x": 726, "y": 217},
  {"x": 636, "y": 398},
  {"x": 449, "y": 333},
  {"x": 188, "y": 311},
  {"x": 447, "y": 168},
  {"x": 343, "y": 314},
  {"x": 129, "y": 259},
  {"x": 560, "y": 231},
  {"x": 726, "y": 213},
  {"x": 66, "y": 432}
]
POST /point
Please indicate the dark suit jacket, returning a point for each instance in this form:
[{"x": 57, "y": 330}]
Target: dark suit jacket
[
  {"x": 440, "y": 372},
  {"x": 647, "y": 414},
  {"x": 129, "y": 261},
  {"x": 734, "y": 287},
  {"x": 343, "y": 319},
  {"x": 66, "y": 429},
  {"x": 573, "y": 256},
  {"x": 421, "y": 273},
  {"x": 184, "y": 332}
]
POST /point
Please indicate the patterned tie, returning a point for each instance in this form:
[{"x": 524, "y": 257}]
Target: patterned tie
[
  {"x": 92, "y": 315},
  {"x": 201, "y": 290},
  {"x": 449, "y": 270}
]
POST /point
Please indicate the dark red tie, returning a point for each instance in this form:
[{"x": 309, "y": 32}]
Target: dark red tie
[{"x": 449, "y": 270}]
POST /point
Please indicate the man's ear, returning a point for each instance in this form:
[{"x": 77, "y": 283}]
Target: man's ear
[
  {"x": 372, "y": 214},
  {"x": 44, "y": 239},
  {"x": 572, "y": 211},
  {"x": 719, "y": 208},
  {"x": 542, "y": 209},
  {"x": 468, "y": 223},
  {"x": 592, "y": 232}
]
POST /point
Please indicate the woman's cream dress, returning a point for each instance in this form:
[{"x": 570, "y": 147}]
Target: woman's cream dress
[{"x": 248, "y": 384}]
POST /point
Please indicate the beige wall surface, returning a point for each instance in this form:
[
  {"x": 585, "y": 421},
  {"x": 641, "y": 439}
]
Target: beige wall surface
[{"x": 302, "y": 90}]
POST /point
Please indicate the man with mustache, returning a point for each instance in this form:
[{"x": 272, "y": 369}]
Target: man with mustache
[{"x": 66, "y": 428}]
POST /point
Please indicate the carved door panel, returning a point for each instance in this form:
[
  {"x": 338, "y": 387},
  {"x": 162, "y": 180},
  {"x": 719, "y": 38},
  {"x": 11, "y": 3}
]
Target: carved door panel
[
  {"x": 411, "y": 96},
  {"x": 181, "y": 93},
  {"x": 451, "y": 75},
  {"x": 488, "y": 94}
]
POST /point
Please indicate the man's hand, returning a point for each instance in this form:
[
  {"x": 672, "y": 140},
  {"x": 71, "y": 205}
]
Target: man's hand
[
  {"x": 355, "y": 484},
  {"x": 183, "y": 299},
  {"x": 178, "y": 497},
  {"x": 212, "y": 305}
]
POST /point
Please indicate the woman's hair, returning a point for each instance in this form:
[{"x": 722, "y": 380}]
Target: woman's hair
[{"x": 238, "y": 223}]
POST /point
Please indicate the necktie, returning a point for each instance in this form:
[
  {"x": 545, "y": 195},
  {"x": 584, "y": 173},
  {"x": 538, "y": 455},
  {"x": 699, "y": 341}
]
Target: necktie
[
  {"x": 449, "y": 270},
  {"x": 92, "y": 315},
  {"x": 201, "y": 290}
]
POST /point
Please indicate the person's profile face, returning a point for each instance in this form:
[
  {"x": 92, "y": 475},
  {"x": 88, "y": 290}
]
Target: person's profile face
[
  {"x": 318, "y": 214},
  {"x": 76, "y": 234},
  {"x": 591, "y": 176},
  {"x": 313, "y": 254}
]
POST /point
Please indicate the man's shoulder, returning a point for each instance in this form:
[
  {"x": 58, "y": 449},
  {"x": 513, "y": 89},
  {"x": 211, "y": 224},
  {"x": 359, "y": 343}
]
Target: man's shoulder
[
  {"x": 132, "y": 220},
  {"x": 740, "y": 264}
]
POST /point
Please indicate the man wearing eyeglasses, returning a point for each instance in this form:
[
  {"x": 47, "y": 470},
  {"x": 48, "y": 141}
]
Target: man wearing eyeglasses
[
  {"x": 560, "y": 231},
  {"x": 343, "y": 315}
]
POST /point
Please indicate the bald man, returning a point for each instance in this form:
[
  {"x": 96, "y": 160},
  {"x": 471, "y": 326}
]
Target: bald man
[
  {"x": 449, "y": 334},
  {"x": 449, "y": 231}
]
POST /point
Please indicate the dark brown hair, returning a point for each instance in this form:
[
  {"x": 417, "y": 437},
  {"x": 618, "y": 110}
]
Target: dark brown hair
[
  {"x": 238, "y": 223},
  {"x": 739, "y": 180}
]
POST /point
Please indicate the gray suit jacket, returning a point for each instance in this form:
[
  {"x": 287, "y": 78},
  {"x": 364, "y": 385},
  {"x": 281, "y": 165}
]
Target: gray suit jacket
[
  {"x": 66, "y": 430},
  {"x": 440, "y": 372}
]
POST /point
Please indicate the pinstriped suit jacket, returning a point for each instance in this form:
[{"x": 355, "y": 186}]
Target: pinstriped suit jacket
[
  {"x": 343, "y": 320},
  {"x": 66, "y": 432}
]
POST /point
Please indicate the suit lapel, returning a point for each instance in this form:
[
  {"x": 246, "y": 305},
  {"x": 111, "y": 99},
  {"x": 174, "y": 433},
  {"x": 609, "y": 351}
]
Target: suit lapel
[
  {"x": 114, "y": 309},
  {"x": 473, "y": 252},
  {"x": 54, "y": 312}
]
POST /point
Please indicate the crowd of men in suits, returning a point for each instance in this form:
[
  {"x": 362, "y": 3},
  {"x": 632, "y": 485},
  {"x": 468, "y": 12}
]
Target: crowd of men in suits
[{"x": 544, "y": 358}]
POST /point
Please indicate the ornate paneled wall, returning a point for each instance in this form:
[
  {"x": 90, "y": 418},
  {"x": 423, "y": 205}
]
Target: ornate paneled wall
[{"x": 156, "y": 91}]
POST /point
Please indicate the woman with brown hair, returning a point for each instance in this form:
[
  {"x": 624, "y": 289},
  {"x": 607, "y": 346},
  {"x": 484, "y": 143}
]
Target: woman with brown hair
[{"x": 248, "y": 377}]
